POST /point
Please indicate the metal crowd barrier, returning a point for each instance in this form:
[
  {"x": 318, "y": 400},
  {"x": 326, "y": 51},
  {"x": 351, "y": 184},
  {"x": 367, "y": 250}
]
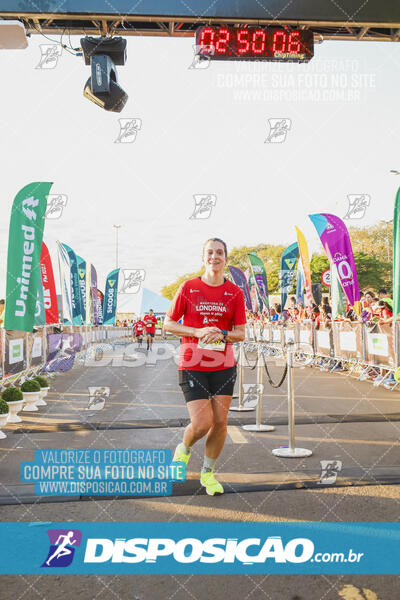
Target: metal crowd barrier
[
  {"x": 24, "y": 353},
  {"x": 361, "y": 347}
]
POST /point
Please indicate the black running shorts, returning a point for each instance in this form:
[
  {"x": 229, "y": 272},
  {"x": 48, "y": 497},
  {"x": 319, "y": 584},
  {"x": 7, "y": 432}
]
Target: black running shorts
[
  {"x": 197, "y": 385},
  {"x": 151, "y": 334}
]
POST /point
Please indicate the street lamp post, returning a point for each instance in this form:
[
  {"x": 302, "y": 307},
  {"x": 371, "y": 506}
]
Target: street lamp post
[{"x": 116, "y": 245}]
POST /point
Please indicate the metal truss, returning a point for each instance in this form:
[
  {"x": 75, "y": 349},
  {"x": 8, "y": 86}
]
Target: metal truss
[{"x": 128, "y": 25}]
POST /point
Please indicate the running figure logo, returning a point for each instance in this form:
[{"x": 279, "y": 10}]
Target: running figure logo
[
  {"x": 62, "y": 547},
  {"x": 278, "y": 129},
  {"x": 128, "y": 129},
  {"x": 50, "y": 53},
  {"x": 55, "y": 205},
  {"x": 202, "y": 62},
  {"x": 132, "y": 280},
  {"x": 97, "y": 397},
  {"x": 358, "y": 204},
  {"x": 329, "y": 471},
  {"x": 251, "y": 393},
  {"x": 203, "y": 205}
]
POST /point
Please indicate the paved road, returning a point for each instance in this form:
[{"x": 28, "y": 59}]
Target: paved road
[{"x": 339, "y": 419}]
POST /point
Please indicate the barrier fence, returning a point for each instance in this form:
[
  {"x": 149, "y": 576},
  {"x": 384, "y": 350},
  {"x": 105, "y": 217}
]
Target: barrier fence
[
  {"x": 21, "y": 352},
  {"x": 376, "y": 345}
]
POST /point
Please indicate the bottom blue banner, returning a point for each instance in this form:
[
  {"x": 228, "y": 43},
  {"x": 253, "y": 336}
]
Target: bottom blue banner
[{"x": 210, "y": 548}]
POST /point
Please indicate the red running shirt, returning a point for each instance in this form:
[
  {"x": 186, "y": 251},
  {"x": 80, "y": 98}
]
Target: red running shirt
[
  {"x": 203, "y": 305},
  {"x": 139, "y": 327},
  {"x": 150, "y": 323}
]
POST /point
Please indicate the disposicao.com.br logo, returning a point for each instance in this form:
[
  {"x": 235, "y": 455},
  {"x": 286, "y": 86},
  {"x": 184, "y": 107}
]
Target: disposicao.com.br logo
[{"x": 247, "y": 551}]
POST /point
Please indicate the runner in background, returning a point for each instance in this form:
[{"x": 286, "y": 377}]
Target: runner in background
[
  {"x": 139, "y": 328},
  {"x": 150, "y": 322},
  {"x": 214, "y": 317}
]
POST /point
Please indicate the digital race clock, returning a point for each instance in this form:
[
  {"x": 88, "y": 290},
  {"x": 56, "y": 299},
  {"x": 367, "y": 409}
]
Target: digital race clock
[{"x": 255, "y": 43}]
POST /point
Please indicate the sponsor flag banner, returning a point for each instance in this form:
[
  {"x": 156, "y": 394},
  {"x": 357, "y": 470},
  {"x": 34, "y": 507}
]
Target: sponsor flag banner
[
  {"x": 23, "y": 258},
  {"x": 305, "y": 261},
  {"x": 100, "y": 298},
  {"x": 65, "y": 282},
  {"x": 356, "y": 548},
  {"x": 89, "y": 303},
  {"x": 288, "y": 264},
  {"x": 260, "y": 276},
  {"x": 76, "y": 299},
  {"x": 110, "y": 298},
  {"x": 93, "y": 292},
  {"x": 300, "y": 284},
  {"x": 240, "y": 280},
  {"x": 396, "y": 257},
  {"x": 336, "y": 242},
  {"x": 82, "y": 285},
  {"x": 40, "y": 314},
  {"x": 49, "y": 287}
]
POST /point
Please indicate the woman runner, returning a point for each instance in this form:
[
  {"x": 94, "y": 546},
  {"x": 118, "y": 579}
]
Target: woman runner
[{"x": 214, "y": 317}]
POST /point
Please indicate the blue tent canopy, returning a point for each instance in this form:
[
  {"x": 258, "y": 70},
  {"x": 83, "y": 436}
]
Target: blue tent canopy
[{"x": 152, "y": 300}]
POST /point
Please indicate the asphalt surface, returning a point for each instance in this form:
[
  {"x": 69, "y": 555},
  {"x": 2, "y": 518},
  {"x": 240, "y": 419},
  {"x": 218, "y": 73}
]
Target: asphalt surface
[{"x": 338, "y": 418}]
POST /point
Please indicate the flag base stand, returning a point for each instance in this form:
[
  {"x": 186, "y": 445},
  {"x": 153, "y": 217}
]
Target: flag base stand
[
  {"x": 241, "y": 409},
  {"x": 291, "y": 452},
  {"x": 258, "y": 427}
]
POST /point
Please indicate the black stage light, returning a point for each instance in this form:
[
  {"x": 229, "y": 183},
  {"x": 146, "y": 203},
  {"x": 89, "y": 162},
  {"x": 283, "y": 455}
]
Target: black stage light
[{"x": 102, "y": 88}]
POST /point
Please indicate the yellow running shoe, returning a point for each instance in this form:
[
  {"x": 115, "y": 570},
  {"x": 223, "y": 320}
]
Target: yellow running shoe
[
  {"x": 180, "y": 455},
  {"x": 212, "y": 486}
]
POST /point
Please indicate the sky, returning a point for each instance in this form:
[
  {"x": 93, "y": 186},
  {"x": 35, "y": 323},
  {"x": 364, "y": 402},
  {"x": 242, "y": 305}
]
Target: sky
[{"x": 203, "y": 131}]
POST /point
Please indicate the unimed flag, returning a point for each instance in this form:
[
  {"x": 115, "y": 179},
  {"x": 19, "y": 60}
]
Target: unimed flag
[
  {"x": 110, "y": 298},
  {"x": 23, "y": 258}
]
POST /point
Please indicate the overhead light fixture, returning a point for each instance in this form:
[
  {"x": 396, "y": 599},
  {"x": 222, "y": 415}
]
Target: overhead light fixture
[
  {"x": 102, "y": 88},
  {"x": 12, "y": 35}
]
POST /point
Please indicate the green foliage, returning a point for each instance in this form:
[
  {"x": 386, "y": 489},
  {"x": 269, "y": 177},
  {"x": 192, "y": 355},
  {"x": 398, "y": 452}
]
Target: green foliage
[
  {"x": 12, "y": 394},
  {"x": 30, "y": 386},
  {"x": 42, "y": 381},
  {"x": 373, "y": 273},
  {"x": 371, "y": 246},
  {"x": 169, "y": 291},
  {"x": 3, "y": 407}
]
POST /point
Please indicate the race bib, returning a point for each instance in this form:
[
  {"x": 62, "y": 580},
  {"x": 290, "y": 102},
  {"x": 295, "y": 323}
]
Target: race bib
[{"x": 218, "y": 345}]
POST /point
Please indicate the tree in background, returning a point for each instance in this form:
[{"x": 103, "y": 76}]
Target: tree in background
[{"x": 373, "y": 256}]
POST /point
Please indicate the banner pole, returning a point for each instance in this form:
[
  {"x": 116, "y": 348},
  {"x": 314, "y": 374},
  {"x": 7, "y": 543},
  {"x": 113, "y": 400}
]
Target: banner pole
[
  {"x": 291, "y": 451},
  {"x": 259, "y": 426}
]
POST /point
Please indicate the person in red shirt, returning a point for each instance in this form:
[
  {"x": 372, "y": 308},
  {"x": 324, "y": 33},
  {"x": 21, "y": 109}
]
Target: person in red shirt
[
  {"x": 150, "y": 325},
  {"x": 214, "y": 317},
  {"x": 139, "y": 327}
]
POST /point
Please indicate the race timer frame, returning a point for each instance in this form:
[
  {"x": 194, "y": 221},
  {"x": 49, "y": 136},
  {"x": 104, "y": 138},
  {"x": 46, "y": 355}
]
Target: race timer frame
[{"x": 271, "y": 44}]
